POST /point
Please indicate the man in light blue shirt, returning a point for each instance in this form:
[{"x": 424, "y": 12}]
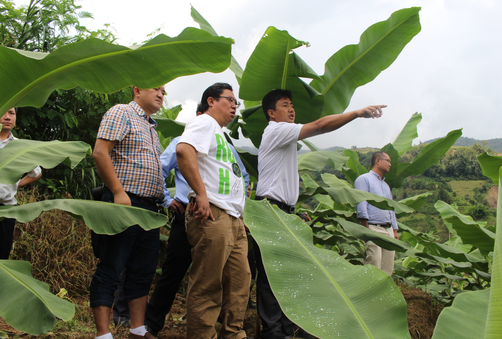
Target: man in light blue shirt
[
  {"x": 381, "y": 221},
  {"x": 178, "y": 255}
]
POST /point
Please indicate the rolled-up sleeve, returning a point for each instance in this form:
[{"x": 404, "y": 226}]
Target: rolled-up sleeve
[{"x": 35, "y": 172}]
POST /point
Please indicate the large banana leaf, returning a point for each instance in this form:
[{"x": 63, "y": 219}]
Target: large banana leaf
[
  {"x": 28, "y": 78},
  {"x": 356, "y": 65},
  {"x": 493, "y": 323},
  {"x": 169, "y": 128},
  {"x": 344, "y": 194},
  {"x": 21, "y": 156},
  {"x": 405, "y": 138},
  {"x": 318, "y": 289},
  {"x": 415, "y": 202},
  {"x": 255, "y": 123},
  {"x": 204, "y": 25},
  {"x": 353, "y": 167},
  {"x": 467, "y": 229},
  {"x": 316, "y": 161},
  {"x": 101, "y": 217},
  {"x": 27, "y": 305},
  {"x": 477, "y": 314},
  {"x": 490, "y": 165},
  {"x": 366, "y": 234},
  {"x": 427, "y": 156},
  {"x": 465, "y": 318},
  {"x": 273, "y": 65}
]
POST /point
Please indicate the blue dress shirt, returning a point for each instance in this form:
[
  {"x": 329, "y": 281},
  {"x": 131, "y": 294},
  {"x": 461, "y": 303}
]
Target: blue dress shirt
[
  {"x": 168, "y": 161},
  {"x": 371, "y": 182}
]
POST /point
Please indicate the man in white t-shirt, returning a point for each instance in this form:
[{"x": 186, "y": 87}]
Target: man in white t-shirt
[
  {"x": 281, "y": 186},
  {"x": 220, "y": 275}
]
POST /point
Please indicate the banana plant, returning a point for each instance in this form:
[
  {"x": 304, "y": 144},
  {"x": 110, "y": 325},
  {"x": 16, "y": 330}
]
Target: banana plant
[
  {"x": 27, "y": 304},
  {"x": 477, "y": 314},
  {"x": 274, "y": 64},
  {"x": 399, "y": 171},
  {"x": 103, "y": 67},
  {"x": 21, "y": 156},
  {"x": 318, "y": 289}
]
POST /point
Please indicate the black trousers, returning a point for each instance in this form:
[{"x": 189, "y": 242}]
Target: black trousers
[
  {"x": 178, "y": 260},
  {"x": 6, "y": 237}
]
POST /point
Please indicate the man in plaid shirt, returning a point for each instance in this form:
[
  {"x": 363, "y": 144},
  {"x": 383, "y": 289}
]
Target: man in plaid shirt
[{"x": 127, "y": 155}]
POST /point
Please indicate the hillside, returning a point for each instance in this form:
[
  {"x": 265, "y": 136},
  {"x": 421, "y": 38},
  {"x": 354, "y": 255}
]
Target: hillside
[{"x": 494, "y": 144}]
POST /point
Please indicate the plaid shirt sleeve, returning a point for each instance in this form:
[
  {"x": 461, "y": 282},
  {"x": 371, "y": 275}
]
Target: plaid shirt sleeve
[{"x": 115, "y": 124}]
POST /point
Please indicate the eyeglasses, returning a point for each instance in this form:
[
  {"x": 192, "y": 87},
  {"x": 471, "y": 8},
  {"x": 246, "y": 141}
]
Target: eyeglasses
[
  {"x": 388, "y": 160},
  {"x": 232, "y": 100}
]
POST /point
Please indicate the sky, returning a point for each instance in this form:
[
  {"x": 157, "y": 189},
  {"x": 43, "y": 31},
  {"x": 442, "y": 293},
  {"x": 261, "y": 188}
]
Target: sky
[{"x": 450, "y": 72}]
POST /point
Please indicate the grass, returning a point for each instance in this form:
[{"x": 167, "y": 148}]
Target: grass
[{"x": 466, "y": 187}]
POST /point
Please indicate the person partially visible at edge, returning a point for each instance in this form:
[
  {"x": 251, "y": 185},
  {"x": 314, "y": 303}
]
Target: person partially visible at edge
[
  {"x": 278, "y": 145},
  {"x": 8, "y": 192},
  {"x": 220, "y": 276},
  {"x": 381, "y": 221},
  {"x": 127, "y": 154},
  {"x": 178, "y": 253}
]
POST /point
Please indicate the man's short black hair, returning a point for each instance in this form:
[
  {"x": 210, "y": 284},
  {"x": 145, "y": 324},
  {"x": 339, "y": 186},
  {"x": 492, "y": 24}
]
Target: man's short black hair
[
  {"x": 270, "y": 100},
  {"x": 199, "y": 108},
  {"x": 375, "y": 156},
  {"x": 213, "y": 91}
]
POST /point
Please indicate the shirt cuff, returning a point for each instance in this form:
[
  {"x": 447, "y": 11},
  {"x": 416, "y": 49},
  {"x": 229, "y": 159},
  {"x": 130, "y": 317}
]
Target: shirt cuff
[{"x": 35, "y": 172}]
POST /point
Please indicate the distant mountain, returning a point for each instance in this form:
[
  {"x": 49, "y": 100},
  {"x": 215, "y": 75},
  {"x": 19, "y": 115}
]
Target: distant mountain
[{"x": 494, "y": 144}]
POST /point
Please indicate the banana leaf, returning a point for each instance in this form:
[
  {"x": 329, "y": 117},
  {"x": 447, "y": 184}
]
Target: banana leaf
[
  {"x": 427, "y": 156},
  {"x": 316, "y": 161},
  {"x": 405, "y": 138},
  {"x": 204, "y": 25},
  {"x": 21, "y": 156},
  {"x": 415, "y": 202},
  {"x": 347, "y": 195},
  {"x": 169, "y": 128},
  {"x": 319, "y": 290},
  {"x": 274, "y": 65},
  {"x": 255, "y": 124},
  {"x": 27, "y": 304},
  {"x": 467, "y": 229},
  {"x": 28, "y": 78},
  {"x": 356, "y": 65},
  {"x": 353, "y": 167},
  {"x": 493, "y": 323},
  {"x": 477, "y": 314},
  {"x": 101, "y": 217},
  {"x": 311, "y": 146},
  {"x": 490, "y": 165},
  {"x": 363, "y": 233},
  {"x": 465, "y": 318}
]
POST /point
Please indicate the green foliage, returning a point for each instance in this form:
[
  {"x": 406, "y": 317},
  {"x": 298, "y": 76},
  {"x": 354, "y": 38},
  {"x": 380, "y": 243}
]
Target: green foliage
[
  {"x": 42, "y": 26},
  {"x": 101, "y": 217},
  {"x": 21, "y": 156},
  {"x": 458, "y": 163},
  {"x": 20, "y": 294},
  {"x": 274, "y": 64},
  {"x": 192, "y": 52},
  {"x": 314, "y": 283}
]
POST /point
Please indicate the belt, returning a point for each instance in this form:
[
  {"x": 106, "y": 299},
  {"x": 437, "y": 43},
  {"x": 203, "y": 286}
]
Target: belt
[
  {"x": 146, "y": 200},
  {"x": 285, "y": 207},
  {"x": 387, "y": 225}
]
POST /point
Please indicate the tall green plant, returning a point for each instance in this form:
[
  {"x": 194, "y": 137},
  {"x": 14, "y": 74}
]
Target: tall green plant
[{"x": 484, "y": 306}]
